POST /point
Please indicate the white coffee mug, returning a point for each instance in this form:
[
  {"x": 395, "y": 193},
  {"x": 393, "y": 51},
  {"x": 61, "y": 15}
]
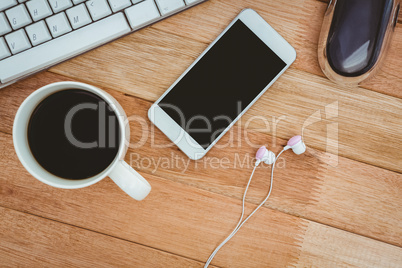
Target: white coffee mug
[{"x": 119, "y": 171}]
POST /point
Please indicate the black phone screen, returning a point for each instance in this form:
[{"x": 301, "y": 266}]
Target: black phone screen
[{"x": 222, "y": 84}]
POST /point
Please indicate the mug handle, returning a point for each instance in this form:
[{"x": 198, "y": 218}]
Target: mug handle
[{"x": 130, "y": 180}]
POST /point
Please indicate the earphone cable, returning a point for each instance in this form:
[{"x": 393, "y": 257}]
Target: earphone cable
[
  {"x": 240, "y": 224},
  {"x": 241, "y": 218}
]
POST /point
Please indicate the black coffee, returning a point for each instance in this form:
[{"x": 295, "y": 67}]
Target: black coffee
[{"x": 74, "y": 134}]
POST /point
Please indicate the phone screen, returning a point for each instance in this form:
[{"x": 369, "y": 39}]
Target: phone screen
[{"x": 222, "y": 84}]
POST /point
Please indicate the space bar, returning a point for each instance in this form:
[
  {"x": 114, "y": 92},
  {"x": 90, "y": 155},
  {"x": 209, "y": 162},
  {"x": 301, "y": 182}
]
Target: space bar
[{"x": 64, "y": 47}]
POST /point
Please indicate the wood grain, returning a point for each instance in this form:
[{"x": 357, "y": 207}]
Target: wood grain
[
  {"x": 338, "y": 205},
  {"x": 30, "y": 241},
  {"x": 309, "y": 186},
  {"x": 189, "y": 222},
  {"x": 348, "y": 251},
  {"x": 361, "y": 111},
  {"x": 176, "y": 218},
  {"x": 180, "y": 39}
]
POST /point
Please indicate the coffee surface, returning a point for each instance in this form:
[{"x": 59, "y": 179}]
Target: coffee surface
[{"x": 74, "y": 134}]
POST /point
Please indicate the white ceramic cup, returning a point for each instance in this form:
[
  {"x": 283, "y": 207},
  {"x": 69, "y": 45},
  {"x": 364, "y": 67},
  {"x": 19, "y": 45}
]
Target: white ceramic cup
[{"x": 119, "y": 171}]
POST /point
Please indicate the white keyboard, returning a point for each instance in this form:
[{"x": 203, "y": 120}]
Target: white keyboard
[{"x": 37, "y": 34}]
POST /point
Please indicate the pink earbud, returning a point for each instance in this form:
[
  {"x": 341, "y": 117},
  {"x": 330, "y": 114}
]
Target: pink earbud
[
  {"x": 268, "y": 157},
  {"x": 296, "y": 144},
  {"x": 264, "y": 155}
]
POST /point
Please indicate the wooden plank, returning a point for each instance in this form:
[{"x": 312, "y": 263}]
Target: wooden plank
[
  {"x": 307, "y": 186},
  {"x": 343, "y": 193},
  {"x": 338, "y": 192},
  {"x": 296, "y": 96},
  {"x": 359, "y": 116},
  {"x": 177, "y": 41},
  {"x": 187, "y": 221},
  {"x": 175, "y": 218},
  {"x": 347, "y": 250},
  {"x": 30, "y": 241}
]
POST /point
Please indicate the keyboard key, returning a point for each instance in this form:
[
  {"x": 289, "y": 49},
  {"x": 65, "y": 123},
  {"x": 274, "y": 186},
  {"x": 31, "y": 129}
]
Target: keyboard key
[
  {"x": 66, "y": 46},
  {"x": 39, "y": 9},
  {"x": 77, "y": 1},
  {"x": 142, "y": 13},
  {"x": 98, "y": 9},
  {"x": 118, "y": 5},
  {"x": 38, "y": 33},
  {"x": 78, "y": 16},
  {"x": 58, "y": 24},
  {"x": 22, "y": 1},
  {"x": 18, "y": 41},
  {"x": 190, "y": 1},
  {"x": 4, "y": 4},
  {"x": 4, "y": 26},
  {"x": 18, "y": 17},
  {"x": 4, "y": 52},
  {"x": 60, "y": 5},
  {"x": 168, "y": 6}
]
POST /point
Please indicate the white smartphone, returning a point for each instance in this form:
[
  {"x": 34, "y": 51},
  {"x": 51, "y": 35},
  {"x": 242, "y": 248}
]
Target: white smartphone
[{"x": 222, "y": 84}]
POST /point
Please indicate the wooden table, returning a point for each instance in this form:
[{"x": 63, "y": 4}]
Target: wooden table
[{"x": 338, "y": 205}]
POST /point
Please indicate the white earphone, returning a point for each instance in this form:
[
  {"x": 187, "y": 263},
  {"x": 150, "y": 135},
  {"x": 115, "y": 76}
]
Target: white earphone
[
  {"x": 268, "y": 157},
  {"x": 296, "y": 144},
  {"x": 264, "y": 155}
]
